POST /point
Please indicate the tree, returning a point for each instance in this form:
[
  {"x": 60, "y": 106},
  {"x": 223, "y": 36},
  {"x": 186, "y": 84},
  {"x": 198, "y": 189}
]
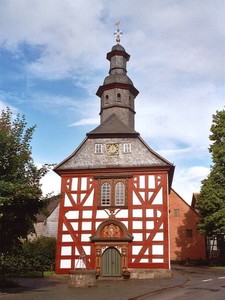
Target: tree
[
  {"x": 20, "y": 189},
  {"x": 211, "y": 202}
]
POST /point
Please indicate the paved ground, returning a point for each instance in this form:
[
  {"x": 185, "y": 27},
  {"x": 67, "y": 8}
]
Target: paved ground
[{"x": 57, "y": 289}]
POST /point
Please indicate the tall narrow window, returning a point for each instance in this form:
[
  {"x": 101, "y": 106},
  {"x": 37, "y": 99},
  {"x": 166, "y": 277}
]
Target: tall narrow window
[
  {"x": 106, "y": 99},
  {"x": 118, "y": 97},
  {"x": 120, "y": 194},
  {"x": 106, "y": 194}
]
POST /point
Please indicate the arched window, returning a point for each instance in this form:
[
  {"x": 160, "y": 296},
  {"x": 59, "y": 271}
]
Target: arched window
[
  {"x": 120, "y": 194},
  {"x": 118, "y": 97},
  {"x": 106, "y": 194}
]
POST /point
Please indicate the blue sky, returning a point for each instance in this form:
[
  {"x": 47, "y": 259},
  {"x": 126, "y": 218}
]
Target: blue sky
[{"x": 53, "y": 59}]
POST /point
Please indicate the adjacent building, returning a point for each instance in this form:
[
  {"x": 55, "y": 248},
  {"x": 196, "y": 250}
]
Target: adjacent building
[{"x": 186, "y": 244}]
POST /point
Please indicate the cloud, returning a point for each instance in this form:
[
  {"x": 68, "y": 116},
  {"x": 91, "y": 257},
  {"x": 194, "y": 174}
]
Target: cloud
[
  {"x": 84, "y": 122},
  {"x": 51, "y": 183},
  {"x": 188, "y": 180}
]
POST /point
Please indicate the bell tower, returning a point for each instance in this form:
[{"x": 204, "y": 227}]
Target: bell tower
[{"x": 118, "y": 93}]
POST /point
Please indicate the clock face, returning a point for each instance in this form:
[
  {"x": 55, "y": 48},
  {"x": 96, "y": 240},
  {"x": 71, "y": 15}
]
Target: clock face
[{"x": 112, "y": 149}]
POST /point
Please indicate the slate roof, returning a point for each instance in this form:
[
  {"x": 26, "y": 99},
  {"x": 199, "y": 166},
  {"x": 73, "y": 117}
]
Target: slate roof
[
  {"x": 53, "y": 203},
  {"x": 114, "y": 127}
]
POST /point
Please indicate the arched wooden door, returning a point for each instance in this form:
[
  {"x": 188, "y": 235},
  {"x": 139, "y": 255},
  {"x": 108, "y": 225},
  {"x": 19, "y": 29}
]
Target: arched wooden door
[{"x": 111, "y": 262}]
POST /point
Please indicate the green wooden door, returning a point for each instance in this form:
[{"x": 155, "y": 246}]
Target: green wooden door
[{"x": 111, "y": 262}]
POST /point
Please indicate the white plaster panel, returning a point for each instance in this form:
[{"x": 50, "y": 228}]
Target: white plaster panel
[
  {"x": 158, "y": 260},
  {"x": 101, "y": 214},
  {"x": 87, "y": 214},
  {"x": 136, "y": 249},
  {"x": 142, "y": 182},
  {"x": 123, "y": 213},
  {"x": 136, "y": 200},
  {"x": 157, "y": 249},
  {"x": 151, "y": 181},
  {"x": 158, "y": 237},
  {"x": 66, "y": 250},
  {"x": 137, "y": 224},
  {"x": 89, "y": 200},
  {"x": 74, "y": 225},
  {"x": 86, "y": 225},
  {"x": 66, "y": 238},
  {"x": 137, "y": 236},
  {"x": 84, "y": 184},
  {"x": 147, "y": 251},
  {"x": 85, "y": 237},
  {"x": 159, "y": 198},
  {"x": 162, "y": 226},
  {"x": 137, "y": 213},
  {"x": 67, "y": 202},
  {"x": 73, "y": 214},
  {"x": 64, "y": 228},
  {"x": 74, "y": 184},
  {"x": 65, "y": 264},
  {"x": 87, "y": 250},
  {"x": 150, "y": 224},
  {"x": 144, "y": 260},
  {"x": 149, "y": 213}
]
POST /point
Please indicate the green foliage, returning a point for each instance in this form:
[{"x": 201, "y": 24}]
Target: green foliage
[
  {"x": 41, "y": 251},
  {"x": 211, "y": 202},
  {"x": 20, "y": 189},
  {"x": 34, "y": 256}
]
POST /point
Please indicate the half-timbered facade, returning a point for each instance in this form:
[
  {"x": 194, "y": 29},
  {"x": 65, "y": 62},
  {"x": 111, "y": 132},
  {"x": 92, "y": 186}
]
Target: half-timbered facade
[{"x": 113, "y": 215}]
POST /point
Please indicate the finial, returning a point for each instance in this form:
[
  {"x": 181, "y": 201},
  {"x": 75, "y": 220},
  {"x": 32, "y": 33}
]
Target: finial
[{"x": 118, "y": 33}]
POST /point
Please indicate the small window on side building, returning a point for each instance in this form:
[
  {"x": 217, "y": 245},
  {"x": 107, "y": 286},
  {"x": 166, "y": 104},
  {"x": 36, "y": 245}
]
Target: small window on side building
[{"x": 176, "y": 212}]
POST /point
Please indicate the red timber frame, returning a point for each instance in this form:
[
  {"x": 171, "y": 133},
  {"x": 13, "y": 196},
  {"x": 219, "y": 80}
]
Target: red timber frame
[{"x": 145, "y": 218}]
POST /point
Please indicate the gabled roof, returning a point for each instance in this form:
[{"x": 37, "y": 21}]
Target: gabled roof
[
  {"x": 53, "y": 203},
  {"x": 184, "y": 202},
  {"x": 195, "y": 200},
  {"x": 112, "y": 126}
]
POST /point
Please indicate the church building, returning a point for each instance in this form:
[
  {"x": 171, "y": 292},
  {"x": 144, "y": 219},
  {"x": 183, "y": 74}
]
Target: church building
[{"x": 113, "y": 215}]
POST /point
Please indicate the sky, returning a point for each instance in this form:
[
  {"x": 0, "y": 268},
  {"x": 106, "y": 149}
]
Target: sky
[{"x": 53, "y": 59}]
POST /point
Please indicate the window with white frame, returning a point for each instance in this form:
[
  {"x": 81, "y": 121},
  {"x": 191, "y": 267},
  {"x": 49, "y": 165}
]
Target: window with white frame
[
  {"x": 98, "y": 148},
  {"x": 119, "y": 194},
  {"x": 127, "y": 148},
  {"x": 106, "y": 194}
]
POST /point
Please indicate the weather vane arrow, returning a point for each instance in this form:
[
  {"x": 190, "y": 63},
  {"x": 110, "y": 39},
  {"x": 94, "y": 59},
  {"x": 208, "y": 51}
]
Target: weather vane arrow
[{"x": 118, "y": 33}]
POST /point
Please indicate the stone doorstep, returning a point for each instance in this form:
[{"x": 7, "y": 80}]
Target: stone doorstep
[{"x": 150, "y": 273}]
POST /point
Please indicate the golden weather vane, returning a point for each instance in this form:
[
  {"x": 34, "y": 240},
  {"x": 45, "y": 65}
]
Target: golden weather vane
[{"x": 118, "y": 33}]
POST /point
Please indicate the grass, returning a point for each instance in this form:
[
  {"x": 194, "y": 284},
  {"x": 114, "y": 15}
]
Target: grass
[{"x": 218, "y": 267}]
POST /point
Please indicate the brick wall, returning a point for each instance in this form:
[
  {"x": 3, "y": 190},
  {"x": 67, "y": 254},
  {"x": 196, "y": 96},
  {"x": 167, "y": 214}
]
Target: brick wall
[{"x": 185, "y": 242}]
